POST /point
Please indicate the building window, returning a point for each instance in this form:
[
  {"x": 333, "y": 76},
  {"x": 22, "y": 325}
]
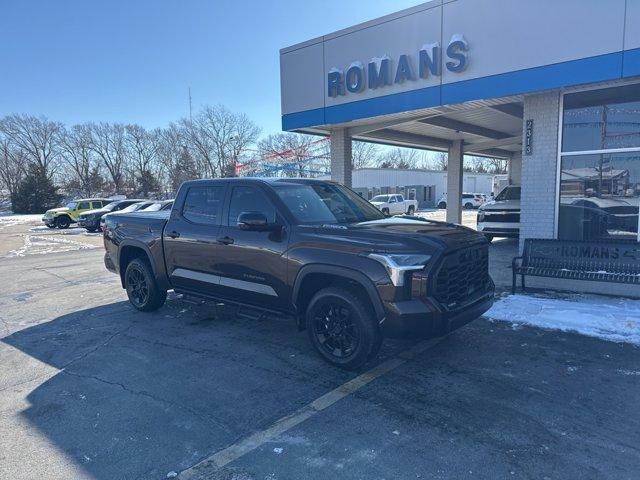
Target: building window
[{"x": 600, "y": 165}]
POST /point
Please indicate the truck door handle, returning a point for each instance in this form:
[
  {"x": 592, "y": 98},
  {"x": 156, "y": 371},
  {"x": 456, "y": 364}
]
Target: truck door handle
[
  {"x": 173, "y": 234},
  {"x": 225, "y": 240}
]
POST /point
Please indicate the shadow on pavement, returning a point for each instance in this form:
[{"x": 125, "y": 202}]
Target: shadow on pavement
[{"x": 139, "y": 395}]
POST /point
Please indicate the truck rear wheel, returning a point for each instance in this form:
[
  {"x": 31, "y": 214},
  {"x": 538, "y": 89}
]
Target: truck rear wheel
[
  {"x": 411, "y": 210},
  {"x": 142, "y": 289},
  {"x": 342, "y": 329}
]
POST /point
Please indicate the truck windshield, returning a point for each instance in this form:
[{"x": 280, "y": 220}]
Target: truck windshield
[
  {"x": 509, "y": 193},
  {"x": 72, "y": 205},
  {"x": 326, "y": 203},
  {"x": 110, "y": 206},
  {"x": 380, "y": 198}
]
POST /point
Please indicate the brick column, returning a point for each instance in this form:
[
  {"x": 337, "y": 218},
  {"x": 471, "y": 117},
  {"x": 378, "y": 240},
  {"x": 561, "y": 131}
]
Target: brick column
[
  {"x": 454, "y": 182},
  {"x": 341, "y": 168},
  {"x": 539, "y": 169}
]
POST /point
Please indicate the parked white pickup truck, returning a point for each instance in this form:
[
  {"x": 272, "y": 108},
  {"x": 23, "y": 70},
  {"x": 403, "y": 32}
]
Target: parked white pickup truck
[{"x": 393, "y": 204}]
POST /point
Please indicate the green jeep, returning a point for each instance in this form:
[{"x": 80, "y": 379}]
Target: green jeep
[{"x": 65, "y": 216}]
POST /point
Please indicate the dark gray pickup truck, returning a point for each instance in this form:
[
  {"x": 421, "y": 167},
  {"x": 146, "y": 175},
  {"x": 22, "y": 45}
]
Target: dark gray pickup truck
[{"x": 308, "y": 248}]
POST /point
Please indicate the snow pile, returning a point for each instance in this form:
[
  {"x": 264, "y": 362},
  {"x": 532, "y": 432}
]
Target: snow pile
[
  {"x": 9, "y": 219},
  {"x": 613, "y": 319}
]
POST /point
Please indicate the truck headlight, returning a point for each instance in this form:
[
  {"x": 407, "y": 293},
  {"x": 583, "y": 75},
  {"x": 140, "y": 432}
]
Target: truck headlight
[{"x": 397, "y": 264}]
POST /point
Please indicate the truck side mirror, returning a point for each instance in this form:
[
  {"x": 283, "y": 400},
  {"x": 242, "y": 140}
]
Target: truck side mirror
[{"x": 256, "y": 221}]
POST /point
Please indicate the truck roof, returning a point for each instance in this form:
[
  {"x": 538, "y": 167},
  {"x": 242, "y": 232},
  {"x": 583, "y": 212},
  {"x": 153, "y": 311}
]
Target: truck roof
[{"x": 267, "y": 180}]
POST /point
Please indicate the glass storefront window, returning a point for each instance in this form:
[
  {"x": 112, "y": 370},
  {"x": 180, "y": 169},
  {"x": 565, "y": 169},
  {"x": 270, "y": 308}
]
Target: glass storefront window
[
  {"x": 600, "y": 165},
  {"x": 602, "y": 119},
  {"x": 599, "y": 196}
]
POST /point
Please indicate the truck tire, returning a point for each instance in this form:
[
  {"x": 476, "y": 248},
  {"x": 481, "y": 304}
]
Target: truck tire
[
  {"x": 142, "y": 289},
  {"x": 385, "y": 211},
  {"x": 411, "y": 210},
  {"x": 342, "y": 329},
  {"x": 442, "y": 205},
  {"x": 63, "y": 222},
  {"x": 468, "y": 205}
]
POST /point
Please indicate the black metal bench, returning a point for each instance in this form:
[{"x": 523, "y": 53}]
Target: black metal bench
[{"x": 599, "y": 261}]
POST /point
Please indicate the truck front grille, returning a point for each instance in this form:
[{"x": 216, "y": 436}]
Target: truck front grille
[{"x": 462, "y": 277}]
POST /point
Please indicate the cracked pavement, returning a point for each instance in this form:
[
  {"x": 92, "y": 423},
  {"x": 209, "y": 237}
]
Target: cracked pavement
[{"x": 92, "y": 389}]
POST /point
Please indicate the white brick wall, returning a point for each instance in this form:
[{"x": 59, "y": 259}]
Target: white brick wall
[
  {"x": 539, "y": 170},
  {"x": 341, "y": 157}
]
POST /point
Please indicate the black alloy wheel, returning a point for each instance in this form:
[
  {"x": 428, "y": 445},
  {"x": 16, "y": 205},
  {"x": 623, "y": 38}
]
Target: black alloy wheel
[
  {"x": 142, "y": 289},
  {"x": 335, "y": 330},
  {"x": 342, "y": 328},
  {"x": 137, "y": 287}
]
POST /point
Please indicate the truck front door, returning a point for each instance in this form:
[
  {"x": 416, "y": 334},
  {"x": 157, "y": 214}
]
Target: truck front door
[{"x": 252, "y": 263}]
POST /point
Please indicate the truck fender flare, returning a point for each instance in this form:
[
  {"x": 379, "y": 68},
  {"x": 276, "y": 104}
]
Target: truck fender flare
[
  {"x": 344, "y": 272},
  {"x": 142, "y": 246}
]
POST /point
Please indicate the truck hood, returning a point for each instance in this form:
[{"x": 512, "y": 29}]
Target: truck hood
[
  {"x": 57, "y": 210},
  {"x": 501, "y": 205},
  {"x": 401, "y": 233},
  {"x": 377, "y": 203}
]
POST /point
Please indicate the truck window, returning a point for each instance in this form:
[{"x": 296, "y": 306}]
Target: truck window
[
  {"x": 250, "y": 199},
  {"x": 84, "y": 206},
  {"x": 96, "y": 204},
  {"x": 202, "y": 204}
]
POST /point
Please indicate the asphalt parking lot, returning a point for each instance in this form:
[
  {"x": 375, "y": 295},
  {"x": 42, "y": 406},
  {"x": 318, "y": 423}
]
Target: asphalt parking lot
[{"x": 92, "y": 389}]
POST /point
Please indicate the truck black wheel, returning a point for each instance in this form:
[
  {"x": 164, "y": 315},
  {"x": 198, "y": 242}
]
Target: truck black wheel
[
  {"x": 63, "y": 222},
  {"x": 411, "y": 210},
  {"x": 385, "y": 211},
  {"x": 442, "y": 205},
  {"x": 142, "y": 289},
  {"x": 468, "y": 205},
  {"x": 341, "y": 328}
]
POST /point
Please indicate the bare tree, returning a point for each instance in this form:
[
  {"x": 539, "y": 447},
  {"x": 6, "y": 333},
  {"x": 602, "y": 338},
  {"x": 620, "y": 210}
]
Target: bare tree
[
  {"x": 81, "y": 159},
  {"x": 143, "y": 147},
  {"x": 442, "y": 161},
  {"x": 400, "y": 158},
  {"x": 12, "y": 165},
  {"x": 364, "y": 154},
  {"x": 108, "y": 142},
  {"x": 37, "y": 137},
  {"x": 220, "y": 138},
  {"x": 174, "y": 157}
]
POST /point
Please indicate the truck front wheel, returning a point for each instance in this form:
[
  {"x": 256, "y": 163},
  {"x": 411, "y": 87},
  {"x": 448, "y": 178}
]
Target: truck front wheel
[
  {"x": 142, "y": 289},
  {"x": 342, "y": 329}
]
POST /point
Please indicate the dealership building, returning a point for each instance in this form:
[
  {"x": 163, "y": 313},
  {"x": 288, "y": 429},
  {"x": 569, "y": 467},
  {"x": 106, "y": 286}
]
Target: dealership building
[{"x": 551, "y": 86}]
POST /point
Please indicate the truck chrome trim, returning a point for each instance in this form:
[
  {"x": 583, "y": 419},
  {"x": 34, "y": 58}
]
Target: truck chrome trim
[{"x": 224, "y": 281}]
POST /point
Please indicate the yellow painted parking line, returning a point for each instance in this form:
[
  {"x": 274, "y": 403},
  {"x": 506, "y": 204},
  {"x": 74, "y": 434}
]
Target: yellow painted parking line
[{"x": 259, "y": 438}]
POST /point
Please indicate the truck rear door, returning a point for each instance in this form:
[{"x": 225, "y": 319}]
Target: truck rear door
[{"x": 191, "y": 239}]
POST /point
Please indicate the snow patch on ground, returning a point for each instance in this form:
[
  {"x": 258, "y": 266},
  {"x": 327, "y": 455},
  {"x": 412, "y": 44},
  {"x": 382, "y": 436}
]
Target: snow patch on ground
[
  {"x": 9, "y": 219},
  {"x": 612, "y": 319},
  {"x": 40, "y": 245}
]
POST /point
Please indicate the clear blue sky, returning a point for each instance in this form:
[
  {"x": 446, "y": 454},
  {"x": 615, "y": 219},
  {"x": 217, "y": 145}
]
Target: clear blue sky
[{"x": 132, "y": 61}]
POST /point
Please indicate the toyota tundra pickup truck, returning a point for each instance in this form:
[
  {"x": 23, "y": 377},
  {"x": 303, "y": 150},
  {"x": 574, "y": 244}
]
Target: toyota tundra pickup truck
[{"x": 313, "y": 250}]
